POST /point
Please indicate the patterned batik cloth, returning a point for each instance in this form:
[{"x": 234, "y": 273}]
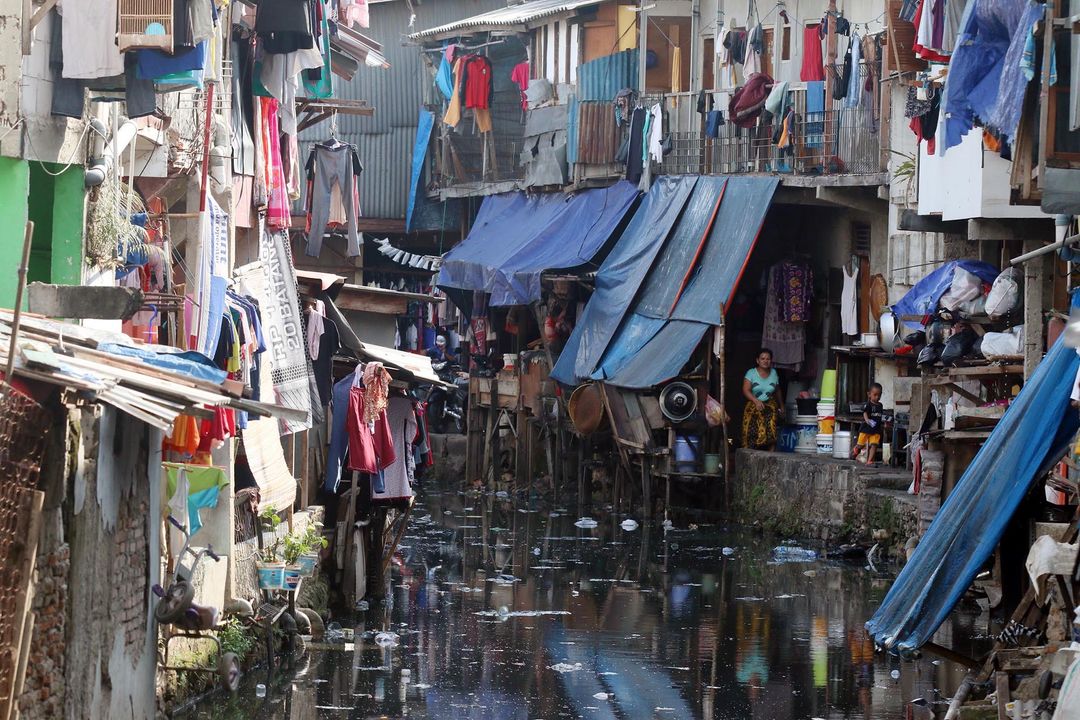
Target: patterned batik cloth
[{"x": 796, "y": 289}]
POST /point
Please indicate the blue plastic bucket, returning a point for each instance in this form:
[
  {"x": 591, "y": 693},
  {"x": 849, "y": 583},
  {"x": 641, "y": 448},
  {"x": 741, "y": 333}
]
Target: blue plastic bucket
[{"x": 687, "y": 452}]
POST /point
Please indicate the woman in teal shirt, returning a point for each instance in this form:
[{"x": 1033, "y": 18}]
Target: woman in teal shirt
[{"x": 761, "y": 417}]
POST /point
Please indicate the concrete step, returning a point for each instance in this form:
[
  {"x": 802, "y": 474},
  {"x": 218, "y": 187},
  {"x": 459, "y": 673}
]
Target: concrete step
[
  {"x": 889, "y": 479},
  {"x": 898, "y": 497}
]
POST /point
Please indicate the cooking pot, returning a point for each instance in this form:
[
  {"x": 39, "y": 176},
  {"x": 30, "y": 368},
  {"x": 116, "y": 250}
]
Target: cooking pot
[{"x": 889, "y": 330}]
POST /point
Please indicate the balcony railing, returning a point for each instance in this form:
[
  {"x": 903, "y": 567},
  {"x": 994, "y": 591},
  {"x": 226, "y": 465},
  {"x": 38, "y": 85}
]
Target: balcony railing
[
  {"x": 838, "y": 141},
  {"x": 835, "y": 141}
]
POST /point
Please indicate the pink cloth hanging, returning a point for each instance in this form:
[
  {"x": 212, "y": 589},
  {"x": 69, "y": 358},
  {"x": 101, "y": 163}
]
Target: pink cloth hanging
[
  {"x": 277, "y": 206},
  {"x": 356, "y": 12}
]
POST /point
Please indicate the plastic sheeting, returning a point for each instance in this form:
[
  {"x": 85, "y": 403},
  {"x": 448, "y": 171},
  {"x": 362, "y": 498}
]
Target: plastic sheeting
[
  {"x": 982, "y": 86},
  {"x": 1032, "y": 435},
  {"x": 664, "y": 284},
  {"x": 424, "y": 124},
  {"x": 923, "y": 298},
  {"x": 516, "y": 237}
]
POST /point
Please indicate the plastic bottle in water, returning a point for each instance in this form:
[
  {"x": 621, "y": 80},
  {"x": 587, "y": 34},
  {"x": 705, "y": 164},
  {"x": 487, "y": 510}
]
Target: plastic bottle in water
[
  {"x": 793, "y": 552},
  {"x": 260, "y": 690}
]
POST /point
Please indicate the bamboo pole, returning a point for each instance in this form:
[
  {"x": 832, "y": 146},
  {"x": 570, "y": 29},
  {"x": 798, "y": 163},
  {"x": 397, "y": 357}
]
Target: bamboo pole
[{"x": 28, "y": 238}]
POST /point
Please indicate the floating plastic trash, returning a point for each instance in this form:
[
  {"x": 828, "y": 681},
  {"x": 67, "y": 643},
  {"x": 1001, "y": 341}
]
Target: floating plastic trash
[
  {"x": 629, "y": 525},
  {"x": 362, "y": 605},
  {"x": 260, "y": 690},
  {"x": 502, "y": 494},
  {"x": 536, "y": 551},
  {"x": 601, "y": 696},
  {"x": 793, "y": 553},
  {"x": 386, "y": 639},
  {"x": 503, "y": 612},
  {"x": 668, "y": 525},
  {"x": 727, "y": 550},
  {"x": 334, "y": 633},
  {"x": 586, "y": 523},
  {"x": 565, "y": 667}
]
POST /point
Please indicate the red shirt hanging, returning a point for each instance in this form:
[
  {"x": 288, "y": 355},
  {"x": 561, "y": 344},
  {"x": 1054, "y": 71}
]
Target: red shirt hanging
[{"x": 478, "y": 82}]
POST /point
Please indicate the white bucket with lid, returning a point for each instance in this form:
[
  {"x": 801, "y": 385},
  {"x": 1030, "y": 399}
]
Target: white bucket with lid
[
  {"x": 806, "y": 434},
  {"x": 841, "y": 444}
]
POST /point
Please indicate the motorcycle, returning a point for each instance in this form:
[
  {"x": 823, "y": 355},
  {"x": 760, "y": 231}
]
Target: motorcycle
[{"x": 446, "y": 406}]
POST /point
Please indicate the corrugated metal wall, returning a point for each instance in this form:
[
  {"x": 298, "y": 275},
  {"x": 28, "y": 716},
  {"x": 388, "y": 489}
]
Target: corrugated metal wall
[
  {"x": 385, "y": 140},
  {"x": 602, "y": 78}
]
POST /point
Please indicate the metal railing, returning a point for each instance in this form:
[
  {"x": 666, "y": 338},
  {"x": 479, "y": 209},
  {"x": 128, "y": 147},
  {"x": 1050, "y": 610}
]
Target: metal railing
[{"x": 838, "y": 141}]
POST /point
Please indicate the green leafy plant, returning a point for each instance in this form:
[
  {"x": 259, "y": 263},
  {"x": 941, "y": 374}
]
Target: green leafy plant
[
  {"x": 235, "y": 638},
  {"x": 269, "y": 520},
  {"x": 299, "y": 543},
  {"x": 906, "y": 172}
]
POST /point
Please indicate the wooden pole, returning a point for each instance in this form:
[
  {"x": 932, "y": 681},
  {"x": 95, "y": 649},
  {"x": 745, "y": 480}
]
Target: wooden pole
[
  {"x": 830, "y": 64},
  {"x": 28, "y": 238}
]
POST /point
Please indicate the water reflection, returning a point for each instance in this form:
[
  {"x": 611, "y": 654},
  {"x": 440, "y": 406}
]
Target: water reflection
[{"x": 506, "y": 612}]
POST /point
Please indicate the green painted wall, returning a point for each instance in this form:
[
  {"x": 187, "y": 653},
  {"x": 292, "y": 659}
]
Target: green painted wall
[
  {"x": 56, "y": 207},
  {"x": 14, "y": 190}
]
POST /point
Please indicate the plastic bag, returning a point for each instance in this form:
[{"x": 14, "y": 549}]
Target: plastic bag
[
  {"x": 965, "y": 286},
  {"x": 995, "y": 345},
  {"x": 714, "y": 412},
  {"x": 958, "y": 346},
  {"x": 1004, "y": 294},
  {"x": 930, "y": 354}
]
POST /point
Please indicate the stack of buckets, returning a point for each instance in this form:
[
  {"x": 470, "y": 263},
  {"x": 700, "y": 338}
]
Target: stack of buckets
[{"x": 826, "y": 413}]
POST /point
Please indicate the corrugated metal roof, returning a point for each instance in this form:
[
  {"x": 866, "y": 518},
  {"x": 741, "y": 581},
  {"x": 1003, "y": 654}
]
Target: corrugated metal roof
[
  {"x": 505, "y": 18},
  {"x": 385, "y": 139}
]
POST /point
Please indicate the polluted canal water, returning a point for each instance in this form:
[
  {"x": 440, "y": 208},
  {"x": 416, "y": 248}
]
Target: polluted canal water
[{"x": 500, "y": 610}]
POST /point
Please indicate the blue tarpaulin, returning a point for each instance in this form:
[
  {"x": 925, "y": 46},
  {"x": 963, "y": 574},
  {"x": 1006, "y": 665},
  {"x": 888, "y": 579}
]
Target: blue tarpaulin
[
  {"x": 665, "y": 282},
  {"x": 516, "y": 237},
  {"x": 425, "y": 122},
  {"x": 1032, "y": 435},
  {"x": 986, "y": 84},
  {"x": 923, "y": 298}
]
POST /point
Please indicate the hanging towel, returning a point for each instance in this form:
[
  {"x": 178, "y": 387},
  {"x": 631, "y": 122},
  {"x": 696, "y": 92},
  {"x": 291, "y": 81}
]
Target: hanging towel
[{"x": 813, "y": 65}]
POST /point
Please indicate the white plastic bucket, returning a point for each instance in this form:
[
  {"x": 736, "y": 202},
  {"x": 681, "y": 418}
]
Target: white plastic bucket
[
  {"x": 807, "y": 436},
  {"x": 841, "y": 444},
  {"x": 824, "y": 444}
]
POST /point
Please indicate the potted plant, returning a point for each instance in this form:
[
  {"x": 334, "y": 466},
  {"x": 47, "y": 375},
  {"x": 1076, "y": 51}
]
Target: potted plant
[
  {"x": 314, "y": 540},
  {"x": 292, "y": 547},
  {"x": 270, "y": 567}
]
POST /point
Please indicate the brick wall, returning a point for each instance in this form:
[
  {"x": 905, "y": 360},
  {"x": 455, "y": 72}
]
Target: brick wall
[
  {"x": 43, "y": 691},
  {"x": 129, "y": 571}
]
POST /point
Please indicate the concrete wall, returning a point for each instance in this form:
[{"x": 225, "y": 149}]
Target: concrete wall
[
  {"x": 811, "y": 497},
  {"x": 115, "y": 554}
]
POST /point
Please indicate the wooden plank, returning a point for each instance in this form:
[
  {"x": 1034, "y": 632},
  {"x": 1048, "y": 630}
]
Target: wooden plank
[
  {"x": 1001, "y": 685},
  {"x": 962, "y": 392},
  {"x": 30, "y": 504}
]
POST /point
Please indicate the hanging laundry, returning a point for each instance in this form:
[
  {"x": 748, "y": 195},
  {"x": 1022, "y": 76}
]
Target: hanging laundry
[
  {"x": 284, "y": 26},
  {"x": 853, "y": 99},
  {"x": 520, "y": 76},
  {"x": 198, "y": 486},
  {"x": 274, "y": 180},
  {"x": 355, "y": 12},
  {"x": 316, "y": 314},
  {"x": 332, "y": 164},
  {"x": 397, "y": 477},
  {"x": 89, "y": 46},
  {"x": 453, "y": 110},
  {"x": 849, "y": 306},
  {"x": 635, "y": 155},
  {"x": 748, "y": 101},
  {"x": 479, "y": 82},
  {"x": 676, "y": 70},
  {"x": 371, "y": 447},
  {"x": 813, "y": 64},
  {"x": 444, "y": 78},
  {"x": 787, "y": 340},
  {"x": 796, "y": 292}
]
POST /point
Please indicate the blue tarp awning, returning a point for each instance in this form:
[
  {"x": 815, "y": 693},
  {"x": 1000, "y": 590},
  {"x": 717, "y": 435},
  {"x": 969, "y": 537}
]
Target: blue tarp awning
[
  {"x": 516, "y": 237},
  {"x": 665, "y": 282},
  {"x": 923, "y": 298},
  {"x": 1033, "y": 434}
]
